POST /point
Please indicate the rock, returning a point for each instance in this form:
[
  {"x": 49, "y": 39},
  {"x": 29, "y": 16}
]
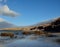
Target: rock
[
  {"x": 11, "y": 35},
  {"x": 52, "y": 35},
  {"x": 57, "y": 40}
]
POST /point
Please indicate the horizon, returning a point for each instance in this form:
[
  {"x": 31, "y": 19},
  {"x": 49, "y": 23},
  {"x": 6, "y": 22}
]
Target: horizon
[
  {"x": 30, "y": 12},
  {"x": 45, "y": 21}
]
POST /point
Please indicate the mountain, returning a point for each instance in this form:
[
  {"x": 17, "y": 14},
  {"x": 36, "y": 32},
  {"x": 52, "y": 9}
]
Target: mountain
[
  {"x": 5, "y": 24},
  {"x": 49, "y": 26},
  {"x": 54, "y": 26}
]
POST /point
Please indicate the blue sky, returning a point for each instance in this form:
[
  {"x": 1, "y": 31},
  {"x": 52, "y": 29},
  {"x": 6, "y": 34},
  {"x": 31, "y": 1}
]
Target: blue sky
[{"x": 32, "y": 11}]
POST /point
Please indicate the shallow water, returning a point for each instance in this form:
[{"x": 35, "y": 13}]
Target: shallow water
[{"x": 30, "y": 41}]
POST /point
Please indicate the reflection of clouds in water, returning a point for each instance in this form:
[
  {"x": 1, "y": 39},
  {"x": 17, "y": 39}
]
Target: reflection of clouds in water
[
  {"x": 32, "y": 41},
  {"x": 2, "y": 46},
  {"x": 32, "y": 37}
]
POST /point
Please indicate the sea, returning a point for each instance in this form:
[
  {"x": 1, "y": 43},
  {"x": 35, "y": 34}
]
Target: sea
[{"x": 31, "y": 40}]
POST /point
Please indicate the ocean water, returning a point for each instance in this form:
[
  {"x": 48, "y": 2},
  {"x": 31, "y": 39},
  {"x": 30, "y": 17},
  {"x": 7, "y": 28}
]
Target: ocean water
[{"x": 30, "y": 41}]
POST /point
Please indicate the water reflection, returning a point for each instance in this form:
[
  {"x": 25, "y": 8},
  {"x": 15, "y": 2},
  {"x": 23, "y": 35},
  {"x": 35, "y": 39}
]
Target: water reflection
[{"x": 29, "y": 41}]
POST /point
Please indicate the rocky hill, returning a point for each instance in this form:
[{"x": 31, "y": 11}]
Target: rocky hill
[
  {"x": 49, "y": 26},
  {"x": 52, "y": 26}
]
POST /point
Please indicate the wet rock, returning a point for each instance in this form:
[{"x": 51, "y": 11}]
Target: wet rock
[
  {"x": 52, "y": 36},
  {"x": 57, "y": 40}
]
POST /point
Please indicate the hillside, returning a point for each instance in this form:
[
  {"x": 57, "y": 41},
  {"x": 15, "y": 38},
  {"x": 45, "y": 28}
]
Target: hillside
[
  {"x": 49, "y": 26},
  {"x": 52, "y": 26}
]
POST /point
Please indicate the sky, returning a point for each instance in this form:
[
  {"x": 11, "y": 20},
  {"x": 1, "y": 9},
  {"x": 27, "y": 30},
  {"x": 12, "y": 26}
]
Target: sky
[{"x": 29, "y": 12}]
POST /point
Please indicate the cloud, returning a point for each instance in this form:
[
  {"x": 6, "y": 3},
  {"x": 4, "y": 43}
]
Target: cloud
[
  {"x": 6, "y": 24},
  {"x": 3, "y": 0},
  {"x": 4, "y": 10},
  {"x": 1, "y": 20}
]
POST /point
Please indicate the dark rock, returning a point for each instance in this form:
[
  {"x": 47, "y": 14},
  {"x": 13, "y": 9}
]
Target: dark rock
[
  {"x": 52, "y": 35},
  {"x": 54, "y": 26},
  {"x": 40, "y": 27},
  {"x": 57, "y": 40}
]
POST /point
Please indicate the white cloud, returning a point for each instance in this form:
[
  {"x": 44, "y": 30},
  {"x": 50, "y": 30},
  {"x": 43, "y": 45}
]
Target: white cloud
[
  {"x": 3, "y": 0},
  {"x": 1, "y": 20},
  {"x": 4, "y": 10}
]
